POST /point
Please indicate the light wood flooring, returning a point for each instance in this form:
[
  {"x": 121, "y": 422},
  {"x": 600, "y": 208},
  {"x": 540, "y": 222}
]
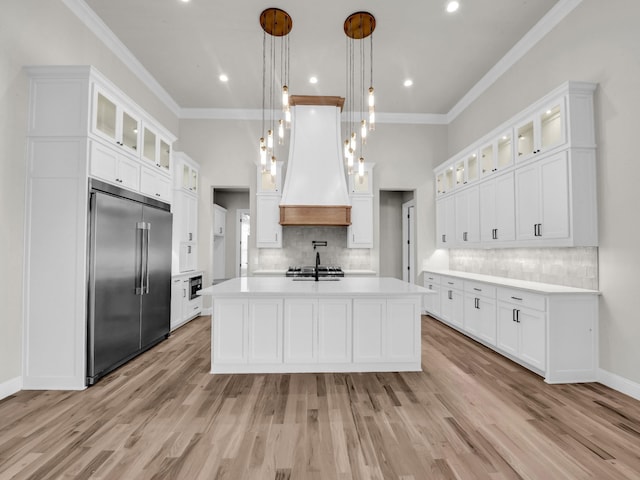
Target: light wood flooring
[{"x": 469, "y": 414}]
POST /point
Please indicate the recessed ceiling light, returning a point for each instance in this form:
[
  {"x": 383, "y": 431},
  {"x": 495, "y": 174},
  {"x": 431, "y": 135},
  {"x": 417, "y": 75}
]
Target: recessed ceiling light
[
  {"x": 185, "y": 1},
  {"x": 452, "y": 6},
  {"x": 222, "y": 77},
  {"x": 313, "y": 80},
  {"x": 408, "y": 82}
]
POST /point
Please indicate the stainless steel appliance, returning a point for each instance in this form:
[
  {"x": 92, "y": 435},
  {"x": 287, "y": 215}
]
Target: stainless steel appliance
[
  {"x": 326, "y": 271},
  {"x": 195, "y": 284},
  {"x": 129, "y": 302}
]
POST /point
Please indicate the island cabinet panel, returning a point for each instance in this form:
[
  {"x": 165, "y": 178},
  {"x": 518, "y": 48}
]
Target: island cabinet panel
[
  {"x": 369, "y": 322},
  {"x": 265, "y": 330},
  {"x": 334, "y": 330},
  {"x": 403, "y": 330},
  {"x": 301, "y": 330},
  {"x": 229, "y": 340}
]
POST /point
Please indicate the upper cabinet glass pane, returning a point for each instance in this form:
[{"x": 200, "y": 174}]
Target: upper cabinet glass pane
[
  {"x": 106, "y": 116},
  {"x": 460, "y": 172},
  {"x": 525, "y": 139},
  {"x": 186, "y": 176},
  {"x": 505, "y": 151},
  {"x": 551, "y": 127},
  {"x": 361, "y": 183},
  {"x": 472, "y": 167},
  {"x": 149, "y": 151},
  {"x": 268, "y": 183},
  {"x": 165, "y": 155},
  {"x": 448, "y": 180},
  {"x": 129, "y": 131},
  {"x": 194, "y": 180},
  {"x": 486, "y": 159}
]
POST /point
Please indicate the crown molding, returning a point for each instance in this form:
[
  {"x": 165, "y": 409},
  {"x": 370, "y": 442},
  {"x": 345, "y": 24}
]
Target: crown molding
[
  {"x": 530, "y": 39},
  {"x": 104, "y": 33}
]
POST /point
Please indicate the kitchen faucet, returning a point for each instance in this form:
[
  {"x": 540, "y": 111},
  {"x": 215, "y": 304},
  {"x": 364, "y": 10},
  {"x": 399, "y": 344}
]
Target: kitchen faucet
[{"x": 318, "y": 243}]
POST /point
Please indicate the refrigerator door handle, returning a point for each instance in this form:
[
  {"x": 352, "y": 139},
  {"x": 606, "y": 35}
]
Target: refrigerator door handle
[
  {"x": 143, "y": 268},
  {"x": 146, "y": 258}
]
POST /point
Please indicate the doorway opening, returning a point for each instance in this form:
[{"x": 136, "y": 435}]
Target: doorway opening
[
  {"x": 243, "y": 223},
  {"x": 229, "y": 240},
  {"x": 397, "y": 234}
]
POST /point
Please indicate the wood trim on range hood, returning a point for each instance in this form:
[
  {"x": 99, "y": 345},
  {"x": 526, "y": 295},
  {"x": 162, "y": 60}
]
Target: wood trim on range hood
[{"x": 318, "y": 215}]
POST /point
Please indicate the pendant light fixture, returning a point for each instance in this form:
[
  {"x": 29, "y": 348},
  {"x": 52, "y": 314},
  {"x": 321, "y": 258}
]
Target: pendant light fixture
[
  {"x": 276, "y": 25},
  {"x": 360, "y": 115}
]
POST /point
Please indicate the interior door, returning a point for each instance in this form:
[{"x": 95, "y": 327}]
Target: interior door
[{"x": 114, "y": 307}]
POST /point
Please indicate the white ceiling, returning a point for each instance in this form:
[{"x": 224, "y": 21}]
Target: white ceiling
[{"x": 185, "y": 46}]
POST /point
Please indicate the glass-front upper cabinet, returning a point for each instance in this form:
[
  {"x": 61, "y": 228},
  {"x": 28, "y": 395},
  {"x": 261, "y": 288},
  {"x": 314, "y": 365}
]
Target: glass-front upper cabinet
[
  {"x": 156, "y": 149},
  {"x": 268, "y": 183},
  {"x": 114, "y": 122},
  {"x": 496, "y": 155},
  {"x": 466, "y": 169},
  {"x": 444, "y": 180},
  {"x": 541, "y": 132}
]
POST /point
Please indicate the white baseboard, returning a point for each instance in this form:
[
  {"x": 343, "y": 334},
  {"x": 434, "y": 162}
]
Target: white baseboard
[
  {"x": 206, "y": 311},
  {"x": 10, "y": 387},
  {"x": 619, "y": 383}
]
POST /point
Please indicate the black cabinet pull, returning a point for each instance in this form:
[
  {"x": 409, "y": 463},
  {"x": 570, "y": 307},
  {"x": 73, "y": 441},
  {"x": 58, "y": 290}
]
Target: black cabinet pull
[
  {"x": 517, "y": 316},
  {"x": 517, "y": 298},
  {"x": 444, "y": 238},
  {"x": 477, "y": 289},
  {"x": 513, "y": 315},
  {"x": 539, "y": 229},
  {"x": 450, "y": 283}
]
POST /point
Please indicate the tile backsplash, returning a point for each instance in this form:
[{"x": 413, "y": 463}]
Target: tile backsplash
[
  {"x": 573, "y": 267},
  {"x": 298, "y": 250}
]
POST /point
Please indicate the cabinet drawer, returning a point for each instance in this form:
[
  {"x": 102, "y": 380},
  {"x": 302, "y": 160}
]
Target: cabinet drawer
[
  {"x": 520, "y": 297},
  {"x": 451, "y": 282},
  {"x": 431, "y": 279},
  {"x": 480, "y": 289}
]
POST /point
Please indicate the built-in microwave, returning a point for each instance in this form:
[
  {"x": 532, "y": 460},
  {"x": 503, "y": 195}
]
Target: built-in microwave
[{"x": 195, "y": 284}]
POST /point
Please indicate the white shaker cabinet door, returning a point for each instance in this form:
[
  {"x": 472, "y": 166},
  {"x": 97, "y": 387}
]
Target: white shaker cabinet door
[
  {"x": 265, "y": 331},
  {"x": 369, "y": 330},
  {"x": 334, "y": 330},
  {"x": 229, "y": 333},
  {"x": 300, "y": 330}
]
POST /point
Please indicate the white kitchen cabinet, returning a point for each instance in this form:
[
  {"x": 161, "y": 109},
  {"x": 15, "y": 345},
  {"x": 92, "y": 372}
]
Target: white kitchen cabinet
[
  {"x": 360, "y": 232},
  {"x": 155, "y": 184},
  {"x": 467, "y": 217},
  {"x": 542, "y": 199},
  {"x": 63, "y": 125},
  {"x": 445, "y": 222},
  {"x": 522, "y": 327},
  {"x": 301, "y": 330},
  {"x": 183, "y": 308},
  {"x": 362, "y": 184},
  {"x": 466, "y": 168},
  {"x": 542, "y": 130},
  {"x": 497, "y": 210},
  {"x": 452, "y": 301},
  {"x": 110, "y": 165},
  {"x": 267, "y": 183},
  {"x": 403, "y": 327},
  {"x": 265, "y": 330},
  {"x": 444, "y": 179},
  {"x": 480, "y": 311},
  {"x": 156, "y": 149},
  {"x": 335, "y": 326},
  {"x": 431, "y": 302},
  {"x": 185, "y": 173},
  {"x": 187, "y": 257},
  {"x": 268, "y": 228},
  {"x": 114, "y": 121},
  {"x": 219, "y": 220},
  {"x": 497, "y": 154}
]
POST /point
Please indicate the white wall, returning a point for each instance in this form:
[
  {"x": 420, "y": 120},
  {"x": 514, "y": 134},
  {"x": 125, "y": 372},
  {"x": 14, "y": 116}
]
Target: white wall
[
  {"x": 39, "y": 32},
  {"x": 598, "y": 42}
]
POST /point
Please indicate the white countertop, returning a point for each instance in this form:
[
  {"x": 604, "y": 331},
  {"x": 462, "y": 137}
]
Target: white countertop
[
  {"x": 343, "y": 287},
  {"x": 536, "y": 287}
]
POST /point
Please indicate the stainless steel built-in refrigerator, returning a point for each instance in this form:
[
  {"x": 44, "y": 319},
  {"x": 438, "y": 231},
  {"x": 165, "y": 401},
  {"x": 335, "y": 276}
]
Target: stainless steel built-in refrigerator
[{"x": 129, "y": 304}]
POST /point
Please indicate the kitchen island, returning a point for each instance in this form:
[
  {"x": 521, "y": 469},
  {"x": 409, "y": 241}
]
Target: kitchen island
[{"x": 289, "y": 325}]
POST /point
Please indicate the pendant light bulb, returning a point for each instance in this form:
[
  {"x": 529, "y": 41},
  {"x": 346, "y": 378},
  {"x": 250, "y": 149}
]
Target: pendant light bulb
[
  {"x": 372, "y": 119},
  {"x": 352, "y": 143},
  {"x": 363, "y": 130},
  {"x": 287, "y": 116},
  {"x": 280, "y": 132},
  {"x": 361, "y": 166},
  {"x": 285, "y": 97},
  {"x": 346, "y": 149},
  {"x": 263, "y": 153},
  {"x": 273, "y": 166},
  {"x": 372, "y": 100},
  {"x": 270, "y": 139}
]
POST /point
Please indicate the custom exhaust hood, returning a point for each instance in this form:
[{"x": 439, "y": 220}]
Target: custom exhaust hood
[{"x": 315, "y": 187}]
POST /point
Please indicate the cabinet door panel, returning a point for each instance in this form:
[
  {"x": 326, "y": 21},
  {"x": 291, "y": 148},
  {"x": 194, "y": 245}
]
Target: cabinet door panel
[
  {"x": 265, "y": 331},
  {"x": 488, "y": 220},
  {"x": 104, "y": 163},
  {"x": 269, "y": 230},
  {"x": 554, "y": 182},
  {"x": 527, "y": 202},
  {"x": 334, "y": 330},
  {"x": 229, "y": 324},
  {"x": 507, "y": 329},
  {"x": 360, "y": 232},
  {"x": 432, "y": 300},
  {"x": 129, "y": 173},
  {"x": 369, "y": 321},
  {"x": 487, "y": 320},
  {"x": 505, "y": 214},
  {"x": 532, "y": 337},
  {"x": 301, "y": 331},
  {"x": 403, "y": 330}
]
